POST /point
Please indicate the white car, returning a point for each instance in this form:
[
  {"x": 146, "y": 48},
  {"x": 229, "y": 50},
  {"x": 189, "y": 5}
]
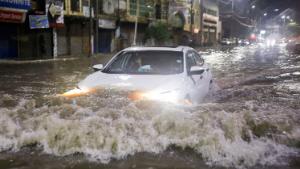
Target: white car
[{"x": 177, "y": 75}]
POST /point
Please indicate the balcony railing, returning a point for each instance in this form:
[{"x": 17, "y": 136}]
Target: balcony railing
[{"x": 144, "y": 9}]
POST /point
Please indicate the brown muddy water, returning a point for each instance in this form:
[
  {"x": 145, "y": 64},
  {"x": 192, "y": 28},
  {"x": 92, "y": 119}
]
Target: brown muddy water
[{"x": 250, "y": 120}]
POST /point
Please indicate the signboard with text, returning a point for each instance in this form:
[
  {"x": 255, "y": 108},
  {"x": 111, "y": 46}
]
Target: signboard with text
[
  {"x": 12, "y": 16},
  {"x": 107, "y": 24},
  {"x": 38, "y": 21},
  {"x": 55, "y": 12},
  {"x": 15, "y": 4}
]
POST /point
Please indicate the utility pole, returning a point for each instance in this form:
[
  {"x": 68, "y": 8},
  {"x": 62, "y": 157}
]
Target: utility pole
[
  {"x": 192, "y": 21},
  {"x": 96, "y": 27},
  {"x": 201, "y": 22},
  {"x": 136, "y": 21},
  {"x": 118, "y": 27},
  {"x": 231, "y": 25},
  {"x": 192, "y": 16},
  {"x": 54, "y": 31},
  {"x": 91, "y": 30}
]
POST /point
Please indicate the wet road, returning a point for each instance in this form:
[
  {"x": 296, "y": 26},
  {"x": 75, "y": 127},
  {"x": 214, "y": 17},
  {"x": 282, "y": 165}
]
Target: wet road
[{"x": 252, "y": 119}]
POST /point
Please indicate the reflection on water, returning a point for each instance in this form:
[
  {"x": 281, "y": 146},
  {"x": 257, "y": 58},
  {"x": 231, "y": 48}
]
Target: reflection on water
[{"x": 252, "y": 120}]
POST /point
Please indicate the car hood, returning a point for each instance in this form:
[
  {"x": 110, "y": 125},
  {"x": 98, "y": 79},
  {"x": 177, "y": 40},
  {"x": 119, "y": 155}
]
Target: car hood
[{"x": 132, "y": 82}]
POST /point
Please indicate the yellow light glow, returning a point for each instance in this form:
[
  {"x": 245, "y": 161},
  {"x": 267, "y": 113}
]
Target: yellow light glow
[
  {"x": 170, "y": 97},
  {"x": 77, "y": 92},
  {"x": 136, "y": 95}
]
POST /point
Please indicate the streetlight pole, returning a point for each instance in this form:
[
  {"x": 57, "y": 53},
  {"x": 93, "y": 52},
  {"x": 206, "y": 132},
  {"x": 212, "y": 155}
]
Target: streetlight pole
[
  {"x": 201, "y": 22},
  {"x": 97, "y": 27},
  {"x": 91, "y": 29},
  {"x": 192, "y": 16},
  {"x": 137, "y": 11},
  {"x": 232, "y": 15}
]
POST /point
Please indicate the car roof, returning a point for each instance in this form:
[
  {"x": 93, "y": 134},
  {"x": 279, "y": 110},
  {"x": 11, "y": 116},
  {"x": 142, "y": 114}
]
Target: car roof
[{"x": 143, "y": 48}]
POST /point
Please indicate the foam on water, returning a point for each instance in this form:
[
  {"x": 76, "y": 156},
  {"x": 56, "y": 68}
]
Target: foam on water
[{"x": 102, "y": 131}]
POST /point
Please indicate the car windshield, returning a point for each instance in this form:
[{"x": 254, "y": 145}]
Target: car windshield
[{"x": 147, "y": 62}]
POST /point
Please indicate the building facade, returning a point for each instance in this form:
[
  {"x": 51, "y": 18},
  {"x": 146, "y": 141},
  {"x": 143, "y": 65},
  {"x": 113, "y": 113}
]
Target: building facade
[
  {"x": 211, "y": 24},
  {"x": 17, "y": 39},
  {"x": 73, "y": 38},
  {"x": 196, "y": 21},
  {"x": 43, "y": 29}
]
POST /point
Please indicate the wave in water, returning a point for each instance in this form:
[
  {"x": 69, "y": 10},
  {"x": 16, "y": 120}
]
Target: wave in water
[{"x": 108, "y": 125}]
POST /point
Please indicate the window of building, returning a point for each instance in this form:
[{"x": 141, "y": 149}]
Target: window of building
[
  {"x": 85, "y": 3},
  {"x": 158, "y": 11},
  {"x": 165, "y": 9},
  {"x": 38, "y": 5},
  {"x": 100, "y": 7},
  {"x": 210, "y": 11},
  {"x": 145, "y": 8},
  {"x": 65, "y": 5},
  {"x": 133, "y": 6},
  {"x": 75, "y": 5}
]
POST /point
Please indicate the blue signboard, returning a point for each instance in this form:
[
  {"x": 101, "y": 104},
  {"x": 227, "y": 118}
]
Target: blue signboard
[
  {"x": 15, "y": 4},
  {"x": 38, "y": 21}
]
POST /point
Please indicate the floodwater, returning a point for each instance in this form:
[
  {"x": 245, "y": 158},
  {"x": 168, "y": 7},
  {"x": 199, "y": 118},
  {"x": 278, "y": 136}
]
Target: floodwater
[{"x": 250, "y": 120}]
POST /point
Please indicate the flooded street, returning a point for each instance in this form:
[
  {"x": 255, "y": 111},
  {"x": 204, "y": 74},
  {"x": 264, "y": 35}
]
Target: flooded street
[{"x": 250, "y": 120}]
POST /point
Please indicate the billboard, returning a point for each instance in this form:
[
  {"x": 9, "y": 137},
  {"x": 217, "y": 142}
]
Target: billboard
[
  {"x": 12, "y": 16},
  {"x": 19, "y": 4},
  {"x": 55, "y": 12},
  {"x": 38, "y": 21}
]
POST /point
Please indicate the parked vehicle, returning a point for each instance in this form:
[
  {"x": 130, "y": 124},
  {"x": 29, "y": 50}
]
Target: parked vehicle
[
  {"x": 294, "y": 45},
  {"x": 165, "y": 74},
  {"x": 226, "y": 41},
  {"x": 244, "y": 42}
]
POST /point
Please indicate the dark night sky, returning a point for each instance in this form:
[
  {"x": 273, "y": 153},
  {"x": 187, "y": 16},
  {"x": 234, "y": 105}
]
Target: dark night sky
[
  {"x": 270, "y": 5},
  {"x": 281, "y": 4},
  {"x": 263, "y": 5},
  {"x": 266, "y": 6}
]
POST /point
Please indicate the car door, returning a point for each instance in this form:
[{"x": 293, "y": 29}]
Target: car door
[
  {"x": 197, "y": 83},
  {"x": 206, "y": 76}
]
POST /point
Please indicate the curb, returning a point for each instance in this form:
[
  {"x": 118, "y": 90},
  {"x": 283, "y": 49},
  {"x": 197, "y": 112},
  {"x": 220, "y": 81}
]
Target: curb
[{"x": 36, "y": 61}]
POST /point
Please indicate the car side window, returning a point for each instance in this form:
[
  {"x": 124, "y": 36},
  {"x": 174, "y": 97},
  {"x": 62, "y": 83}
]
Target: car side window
[
  {"x": 118, "y": 64},
  {"x": 190, "y": 61},
  {"x": 199, "y": 60}
]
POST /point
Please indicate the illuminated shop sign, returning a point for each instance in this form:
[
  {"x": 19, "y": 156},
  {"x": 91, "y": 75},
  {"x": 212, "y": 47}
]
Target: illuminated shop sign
[{"x": 15, "y": 4}]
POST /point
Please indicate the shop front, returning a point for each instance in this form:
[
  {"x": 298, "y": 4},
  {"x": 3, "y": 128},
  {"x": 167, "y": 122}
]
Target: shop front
[
  {"x": 106, "y": 31},
  {"x": 12, "y": 17}
]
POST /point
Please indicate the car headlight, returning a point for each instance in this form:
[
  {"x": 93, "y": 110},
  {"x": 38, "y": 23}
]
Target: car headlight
[
  {"x": 171, "y": 96},
  {"x": 77, "y": 92}
]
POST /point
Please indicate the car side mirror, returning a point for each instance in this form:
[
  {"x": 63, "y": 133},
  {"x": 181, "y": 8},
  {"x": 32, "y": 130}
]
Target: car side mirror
[
  {"x": 196, "y": 70},
  {"x": 98, "y": 67}
]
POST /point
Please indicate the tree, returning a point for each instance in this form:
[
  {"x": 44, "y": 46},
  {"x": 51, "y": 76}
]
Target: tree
[{"x": 159, "y": 32}]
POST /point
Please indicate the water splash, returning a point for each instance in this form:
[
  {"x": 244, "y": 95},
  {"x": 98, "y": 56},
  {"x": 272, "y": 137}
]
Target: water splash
[{"x": 105, "y": 131}]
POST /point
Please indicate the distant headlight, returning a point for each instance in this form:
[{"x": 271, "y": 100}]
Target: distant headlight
[{"x": 271, "y": 42}]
